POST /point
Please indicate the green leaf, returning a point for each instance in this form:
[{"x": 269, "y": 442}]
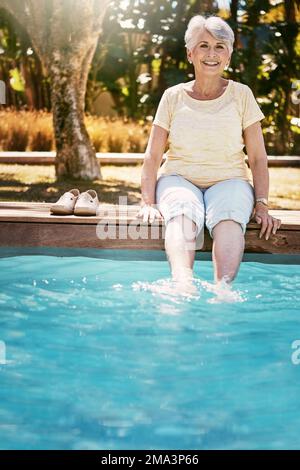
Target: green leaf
[{"x": 17, "y": 81}]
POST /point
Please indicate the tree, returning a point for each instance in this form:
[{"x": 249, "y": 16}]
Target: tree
[
  {"x": 64, "y": 34},
  {"x": 21, "y": 68},
  {"x": 147, "y": 38}
]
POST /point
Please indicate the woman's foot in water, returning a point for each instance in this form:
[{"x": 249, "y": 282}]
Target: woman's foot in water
[{"x": 183, "y": 279}]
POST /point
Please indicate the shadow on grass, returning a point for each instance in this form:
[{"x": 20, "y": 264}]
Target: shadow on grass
[{"x": 108, "y": 191}]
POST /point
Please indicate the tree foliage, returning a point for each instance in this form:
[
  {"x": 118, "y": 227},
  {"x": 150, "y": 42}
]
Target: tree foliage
[{"x": 141, "y": 52}]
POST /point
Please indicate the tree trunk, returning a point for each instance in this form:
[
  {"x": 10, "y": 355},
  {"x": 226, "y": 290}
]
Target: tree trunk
[
  {"x": 64, "y": 34},
  {"x": 75, "y": 154}
]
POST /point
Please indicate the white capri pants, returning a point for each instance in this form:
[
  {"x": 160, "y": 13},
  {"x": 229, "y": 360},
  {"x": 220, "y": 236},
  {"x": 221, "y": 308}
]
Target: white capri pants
[{"x": 231, "y": 199}]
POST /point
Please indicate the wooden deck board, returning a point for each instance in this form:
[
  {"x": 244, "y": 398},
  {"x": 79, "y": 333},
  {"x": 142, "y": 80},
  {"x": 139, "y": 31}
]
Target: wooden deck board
[{"x": 31, "y": 224}]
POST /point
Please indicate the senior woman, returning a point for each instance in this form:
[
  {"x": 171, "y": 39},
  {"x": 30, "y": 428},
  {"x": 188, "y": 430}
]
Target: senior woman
[{"x": 205, "y": 180}]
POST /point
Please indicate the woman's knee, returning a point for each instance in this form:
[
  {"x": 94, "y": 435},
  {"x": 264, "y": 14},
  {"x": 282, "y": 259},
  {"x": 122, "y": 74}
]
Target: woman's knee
[
  {"x": 180, "y": 235},
  {"x": 227, "y": 228},
  {"x": 181, "y": 227}
]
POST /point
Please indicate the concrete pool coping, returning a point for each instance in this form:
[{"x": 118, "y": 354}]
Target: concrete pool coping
[{"x": 116, "y": 227}]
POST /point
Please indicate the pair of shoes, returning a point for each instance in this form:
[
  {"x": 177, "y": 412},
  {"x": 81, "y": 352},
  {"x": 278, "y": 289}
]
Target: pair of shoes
[{"x": 72, "y": 202}]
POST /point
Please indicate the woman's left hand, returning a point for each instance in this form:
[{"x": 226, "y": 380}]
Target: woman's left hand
[{"x": 268, "y": 223}]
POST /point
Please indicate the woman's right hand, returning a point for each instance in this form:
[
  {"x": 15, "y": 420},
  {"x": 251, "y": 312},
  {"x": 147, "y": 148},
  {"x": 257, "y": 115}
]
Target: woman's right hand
[{"x": 149, "y": 213}]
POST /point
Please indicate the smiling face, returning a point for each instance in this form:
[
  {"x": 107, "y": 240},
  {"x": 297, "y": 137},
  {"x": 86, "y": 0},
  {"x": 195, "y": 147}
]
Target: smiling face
[{"x": 210, "y": 56}]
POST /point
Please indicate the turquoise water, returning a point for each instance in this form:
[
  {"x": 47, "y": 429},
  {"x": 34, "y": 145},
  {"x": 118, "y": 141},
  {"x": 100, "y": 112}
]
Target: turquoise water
[{"x": 103, "y": 354}]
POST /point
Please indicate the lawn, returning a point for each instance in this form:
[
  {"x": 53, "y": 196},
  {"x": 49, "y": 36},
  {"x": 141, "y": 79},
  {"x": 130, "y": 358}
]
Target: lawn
[{"x": 37, "y": 183}]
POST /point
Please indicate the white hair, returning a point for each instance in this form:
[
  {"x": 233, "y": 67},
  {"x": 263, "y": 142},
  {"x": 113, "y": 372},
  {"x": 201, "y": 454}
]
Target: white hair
[{"x": 215, "y": 25}]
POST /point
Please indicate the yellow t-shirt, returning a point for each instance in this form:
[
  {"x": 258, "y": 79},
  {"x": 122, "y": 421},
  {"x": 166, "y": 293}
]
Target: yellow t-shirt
[{"x": 206, "y": 137}]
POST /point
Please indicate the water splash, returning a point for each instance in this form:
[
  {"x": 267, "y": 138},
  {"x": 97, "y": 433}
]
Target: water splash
[
  {"x": 117, "y": 286},
  {"x": 224, "y": 292},
  {"x": 179, "y": 291},
  {"x": 169, "y": 289}
]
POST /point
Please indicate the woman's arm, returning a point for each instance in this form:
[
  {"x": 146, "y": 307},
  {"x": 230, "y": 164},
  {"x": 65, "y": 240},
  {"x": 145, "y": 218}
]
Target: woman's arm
[
  {"x": 258, "y": 162},
  {"x": 152, "y": 160}
]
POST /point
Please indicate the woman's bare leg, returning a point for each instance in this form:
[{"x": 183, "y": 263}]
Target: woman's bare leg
[
  {"x": 228, "y": 249},
  {"x": 180, "y": 245}
]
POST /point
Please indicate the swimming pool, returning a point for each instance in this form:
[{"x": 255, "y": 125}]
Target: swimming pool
[{"x": 99, "y": 352}]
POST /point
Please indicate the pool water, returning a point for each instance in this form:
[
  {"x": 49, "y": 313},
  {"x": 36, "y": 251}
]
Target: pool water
[{"x": 104, "y": 354}]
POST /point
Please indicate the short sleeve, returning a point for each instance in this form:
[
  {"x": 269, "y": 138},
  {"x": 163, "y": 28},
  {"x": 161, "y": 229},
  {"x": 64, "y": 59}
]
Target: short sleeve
[
  {"x": 163, "y": 113},
  {"x": 251, "y": 111}
]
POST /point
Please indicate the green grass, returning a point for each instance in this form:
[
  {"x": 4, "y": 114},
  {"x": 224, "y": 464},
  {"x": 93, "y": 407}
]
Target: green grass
[{"x": 37, "y": 183}]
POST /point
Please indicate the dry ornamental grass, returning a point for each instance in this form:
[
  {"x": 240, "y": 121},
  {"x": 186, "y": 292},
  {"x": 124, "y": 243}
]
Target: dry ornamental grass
[{"x": 33, "y": 131}]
